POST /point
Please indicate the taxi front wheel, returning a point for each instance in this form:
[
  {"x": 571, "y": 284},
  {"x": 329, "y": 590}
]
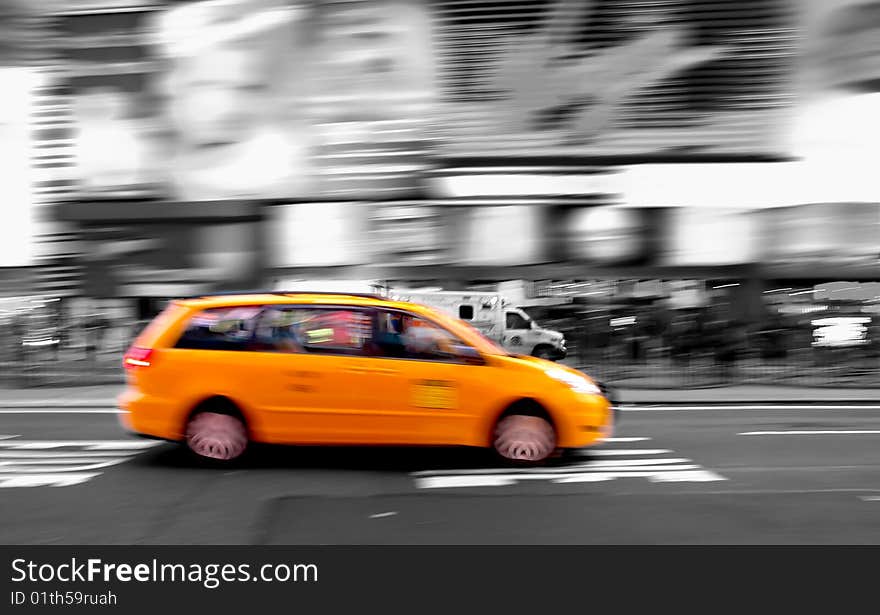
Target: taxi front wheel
[
  {"x": 524, "y": 439},
  {"x": 216, "y": 436}
]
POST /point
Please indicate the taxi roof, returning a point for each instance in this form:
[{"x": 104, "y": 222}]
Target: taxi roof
[
  {"x": 281, "y": 297},
  {"x": 242, "y": 299}
]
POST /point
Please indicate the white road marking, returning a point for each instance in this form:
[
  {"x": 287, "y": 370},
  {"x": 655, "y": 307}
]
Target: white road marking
[
  {"x": 23, "y": 466},
  {"x": 604, "y": 464},
  {"x": 692, "y": 474},
  {"x": 445, "y": 482},
  {"x": 60, "y": 411},
  {"x": 383, "y": 515},
  {"x": 602, "y": 452},
  {"x": 44, "y": 454},
  {"x": 90, "y": 445},
  {"x": 7, "y": 437},
  {"x": 718, "y": 407},
  {"x": 61, "y": 463},
  {"x": 817, "y": 432},
  {"x": 870, "y": 498},
  {"x": 45, "y": 480},
  {"x": 58, "y": 403},
  {"x": 619, "y": 463},
  {"x": 688, "y": 473},
  {"x": 613, "y": 463}
]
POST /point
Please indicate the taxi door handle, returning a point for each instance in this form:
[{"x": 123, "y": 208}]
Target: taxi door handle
[{"x": 371, "y": 370}]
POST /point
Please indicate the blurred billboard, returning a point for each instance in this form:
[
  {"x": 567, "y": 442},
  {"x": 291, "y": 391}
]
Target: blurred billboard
[
  {"x": 502, "y": 233},
  {"x": 166, "y": 259},
  {"x": 245, "y": 99},
  {"x": 610, "y": 234},
  {"x": 614, "y": 77},
  {"x": 822, "y": 234},
  {"x": 18, "y": 229},
  {"x": 317, "y": 234},
  {"x": 410, "y": 233},
  {"x": 703, "y": 237},
  {"x": 316, "y": 99},
  {"x": 840, "y": 49}
]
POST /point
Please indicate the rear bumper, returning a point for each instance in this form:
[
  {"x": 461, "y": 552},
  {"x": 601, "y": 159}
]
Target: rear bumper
[{"x": 147, "y": 417}]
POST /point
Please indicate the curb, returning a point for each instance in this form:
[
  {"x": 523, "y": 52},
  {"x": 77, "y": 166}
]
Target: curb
[{"x": 52, "y": 403}]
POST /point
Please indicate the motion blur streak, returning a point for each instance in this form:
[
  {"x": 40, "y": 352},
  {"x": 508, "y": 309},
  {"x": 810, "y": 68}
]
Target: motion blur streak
[{"x": 676, "y": 198}]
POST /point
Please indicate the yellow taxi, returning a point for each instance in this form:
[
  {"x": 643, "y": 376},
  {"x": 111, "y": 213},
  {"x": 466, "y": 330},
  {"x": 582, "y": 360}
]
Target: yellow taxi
[{"x": 219, "y": 372}]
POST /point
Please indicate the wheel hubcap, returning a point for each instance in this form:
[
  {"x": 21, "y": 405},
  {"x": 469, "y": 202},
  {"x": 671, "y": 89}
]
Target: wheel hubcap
[
  {"x": 216, "y": 436},
  {"x": 525, "y": 438}
]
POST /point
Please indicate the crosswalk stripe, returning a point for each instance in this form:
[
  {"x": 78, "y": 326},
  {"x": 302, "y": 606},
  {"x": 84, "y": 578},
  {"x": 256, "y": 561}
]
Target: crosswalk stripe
[
  {"x": 691, "y": 474},
  {"x": 605, "y": 464},
  {"x": 46, "y": 454},
  {"x": 603, "y": 452},
  {"x": 61, "y": 463},
  {"x": 45, "y": 479},
  {"x": 599, "y": 464},
  {"x": 10, "y": 466},
  {"x": 91, "y": 445},
  {"x": 619, "y": 463}
]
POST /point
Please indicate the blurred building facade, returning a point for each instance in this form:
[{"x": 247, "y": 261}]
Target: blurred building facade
[{"x": 661, "y": 168}]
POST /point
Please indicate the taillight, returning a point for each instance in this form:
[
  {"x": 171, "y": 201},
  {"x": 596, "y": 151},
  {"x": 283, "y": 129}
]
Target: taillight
[{"x": 137, "y": 357}]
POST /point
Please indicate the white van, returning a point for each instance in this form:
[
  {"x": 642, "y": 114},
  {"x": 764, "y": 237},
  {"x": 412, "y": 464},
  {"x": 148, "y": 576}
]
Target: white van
[{"x": 495, "y": 317}]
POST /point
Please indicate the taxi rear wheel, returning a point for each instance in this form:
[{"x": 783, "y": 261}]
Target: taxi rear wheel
[
  {"x": 216, "y": 436},
  {"x": 523, "y": 438}
]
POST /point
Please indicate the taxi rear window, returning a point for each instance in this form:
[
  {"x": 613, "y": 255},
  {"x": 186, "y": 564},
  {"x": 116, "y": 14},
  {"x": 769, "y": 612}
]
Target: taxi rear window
[{"x": 220, "y": 329}]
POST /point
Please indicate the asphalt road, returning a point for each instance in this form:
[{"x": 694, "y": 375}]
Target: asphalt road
[{"x": 697, "y": 474}]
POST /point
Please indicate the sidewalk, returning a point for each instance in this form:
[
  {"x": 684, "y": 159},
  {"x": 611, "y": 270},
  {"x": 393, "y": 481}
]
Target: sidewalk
[
  {"x": 104, "y": 396},
  {"x": 61, "y": 397},
  {"x": 749, "y": 394}
]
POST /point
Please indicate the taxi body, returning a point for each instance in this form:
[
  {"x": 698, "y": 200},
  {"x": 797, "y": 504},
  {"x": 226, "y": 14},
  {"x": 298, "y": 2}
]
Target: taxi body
[{"x": 297, "y": 368}]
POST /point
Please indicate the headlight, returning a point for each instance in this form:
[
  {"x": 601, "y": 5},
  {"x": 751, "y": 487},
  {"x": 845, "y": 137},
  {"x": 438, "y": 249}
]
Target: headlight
[{"x": 578, "y": 384}]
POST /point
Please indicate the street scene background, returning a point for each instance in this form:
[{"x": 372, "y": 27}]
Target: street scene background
[{"x": 685, "y": 189}]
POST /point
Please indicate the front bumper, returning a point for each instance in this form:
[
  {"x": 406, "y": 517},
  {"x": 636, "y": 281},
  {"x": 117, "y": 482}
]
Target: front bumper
[
  {"x": 557, "y": 354},
  {"x": 612, "y": 395}
]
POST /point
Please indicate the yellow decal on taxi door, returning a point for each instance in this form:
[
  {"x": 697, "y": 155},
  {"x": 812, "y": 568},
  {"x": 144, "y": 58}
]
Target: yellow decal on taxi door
[{"x": 434, "y": 394}]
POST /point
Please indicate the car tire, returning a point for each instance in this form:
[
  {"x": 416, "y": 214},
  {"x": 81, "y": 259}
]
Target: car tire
[
  {"x": 216, "y": 436},
  {"x": 543, "y": 352},
  {"x": 524, "y": 439}
]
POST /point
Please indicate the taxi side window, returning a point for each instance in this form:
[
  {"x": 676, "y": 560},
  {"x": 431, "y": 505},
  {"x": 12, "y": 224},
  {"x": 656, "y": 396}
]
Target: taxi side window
[
  {"x": 276, "y": 331},
  {"x": 322, "y": 331},
  {"x": 404, "y": 336},
  {"x": 220, "y": 329}
]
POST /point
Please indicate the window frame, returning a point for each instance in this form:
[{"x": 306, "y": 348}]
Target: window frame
[
  {"x": 372, "y": 312},
  {"x": 507, "y": 315},
  {"x": 189, "y": 320},
  {"x": 451, "y": 361},
  {"x": 325, "y": 350}
]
